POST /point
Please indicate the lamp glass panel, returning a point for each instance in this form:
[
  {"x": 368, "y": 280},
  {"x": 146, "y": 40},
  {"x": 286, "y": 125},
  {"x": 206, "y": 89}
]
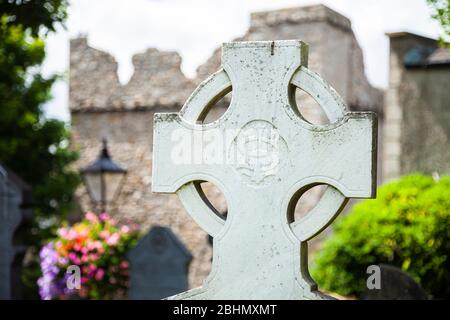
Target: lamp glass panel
[
  {"x": 112, "y": 184},
  {"x": 94, "y": 185}
]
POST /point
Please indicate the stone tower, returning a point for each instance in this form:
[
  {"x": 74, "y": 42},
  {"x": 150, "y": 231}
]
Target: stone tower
[
  {"x": 334, "y": 52},
  {"x": 101, "y": 107},
  {"x": 417, "y": 117}
]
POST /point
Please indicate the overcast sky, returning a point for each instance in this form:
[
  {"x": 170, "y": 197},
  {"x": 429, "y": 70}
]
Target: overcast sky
[{"x": 195, "y": 28}]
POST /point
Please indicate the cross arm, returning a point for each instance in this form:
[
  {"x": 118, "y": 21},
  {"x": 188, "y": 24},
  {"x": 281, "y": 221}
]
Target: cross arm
[
  {"x": 342, "y": 154},
  {"x": 180, "y": 153}
]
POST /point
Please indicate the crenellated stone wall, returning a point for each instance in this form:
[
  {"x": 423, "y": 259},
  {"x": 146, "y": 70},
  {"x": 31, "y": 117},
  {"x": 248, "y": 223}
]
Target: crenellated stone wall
[
  {"x": 94, "y": 85},
  {"x": 93, "y": 76}
]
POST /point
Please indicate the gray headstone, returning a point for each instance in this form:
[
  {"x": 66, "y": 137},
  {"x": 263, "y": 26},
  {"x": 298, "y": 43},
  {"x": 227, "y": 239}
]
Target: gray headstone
[
  {"x": 158, "y": 265},
  {"x": 15, "y": 197},
  {"x": 395, "y": 285}
]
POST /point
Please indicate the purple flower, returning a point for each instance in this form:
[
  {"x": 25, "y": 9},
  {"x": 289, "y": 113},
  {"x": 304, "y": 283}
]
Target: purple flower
[{"x": 49, "y": 285}]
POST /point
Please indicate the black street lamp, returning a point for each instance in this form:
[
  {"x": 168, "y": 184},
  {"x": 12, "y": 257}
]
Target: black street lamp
[{"x": 103, "y": 178}]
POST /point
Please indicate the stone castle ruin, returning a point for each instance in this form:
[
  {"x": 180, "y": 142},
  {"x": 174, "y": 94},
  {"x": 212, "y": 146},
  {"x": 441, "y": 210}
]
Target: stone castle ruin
[{"x": 101, "y": 107}]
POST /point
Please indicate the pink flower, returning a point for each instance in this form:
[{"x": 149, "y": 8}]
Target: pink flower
[
  {"x": 83, "y": 233},
  {"x": 104, "y": 216},
  {"x": 112, "y": 241},
  {"x": 77, "y": 247},
  {"x": 72, "y": 256},
  {"x": 84, "y": 280},
  {"x": 94, "y": 245},
  {"x": 124, "y": 264},
  {"x": 91, "y": 217},
  {"x": 84, "y": 258},
  {"x": 94, "y": 257},
  {"x": 67, "y": 234},
  {"x": 90, "y": 245},
  {"x": 72, "y": 235},
  {"x": 105, "y": 234},
  {"x": 125, "y": 229},
  {"x": 92, "y": 267},
  {"x": 62, "y": 232},
  {"x": 99, "y": 274}
]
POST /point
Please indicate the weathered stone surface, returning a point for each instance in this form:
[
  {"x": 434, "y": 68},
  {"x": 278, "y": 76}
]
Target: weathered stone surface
[
  {"x": 262, "y": 154},
  {"x": 158, "y": 266}
]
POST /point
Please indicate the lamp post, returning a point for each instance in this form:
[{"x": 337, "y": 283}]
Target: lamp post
[{"x": 103, "y": 178}]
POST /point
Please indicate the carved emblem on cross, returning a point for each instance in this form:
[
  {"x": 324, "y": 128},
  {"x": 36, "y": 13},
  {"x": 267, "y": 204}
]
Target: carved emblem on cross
[{"x": 262, "y": 154}]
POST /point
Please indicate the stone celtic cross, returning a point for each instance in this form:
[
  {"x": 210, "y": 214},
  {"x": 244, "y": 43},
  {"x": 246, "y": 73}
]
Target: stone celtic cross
[{"x": 263, "y": 154}]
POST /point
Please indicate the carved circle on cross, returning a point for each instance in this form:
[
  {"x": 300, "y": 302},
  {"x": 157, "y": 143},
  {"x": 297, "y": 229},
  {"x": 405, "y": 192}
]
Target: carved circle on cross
[
  {"x": 255, "y": 153},
  {"x": 332, "y": 201}
]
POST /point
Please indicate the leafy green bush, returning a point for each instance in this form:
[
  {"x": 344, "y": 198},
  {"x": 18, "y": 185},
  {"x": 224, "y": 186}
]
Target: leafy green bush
[{"x": 408, "y": 226}]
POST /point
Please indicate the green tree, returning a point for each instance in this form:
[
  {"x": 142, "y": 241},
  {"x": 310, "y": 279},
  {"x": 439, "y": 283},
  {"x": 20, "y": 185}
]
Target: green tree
[
  {"x": 441, "y": 13},
  {"x": 34, "y": 15},
  {"x": 36, "y": 148}
]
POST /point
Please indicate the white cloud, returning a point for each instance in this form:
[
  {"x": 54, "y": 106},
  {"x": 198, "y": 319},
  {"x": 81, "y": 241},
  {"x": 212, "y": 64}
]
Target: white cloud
[{"x": 195, "y": 28}]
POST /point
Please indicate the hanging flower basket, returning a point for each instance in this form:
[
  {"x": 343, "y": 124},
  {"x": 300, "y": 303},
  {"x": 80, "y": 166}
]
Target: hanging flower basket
[{"x": 87, "y": 260}]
